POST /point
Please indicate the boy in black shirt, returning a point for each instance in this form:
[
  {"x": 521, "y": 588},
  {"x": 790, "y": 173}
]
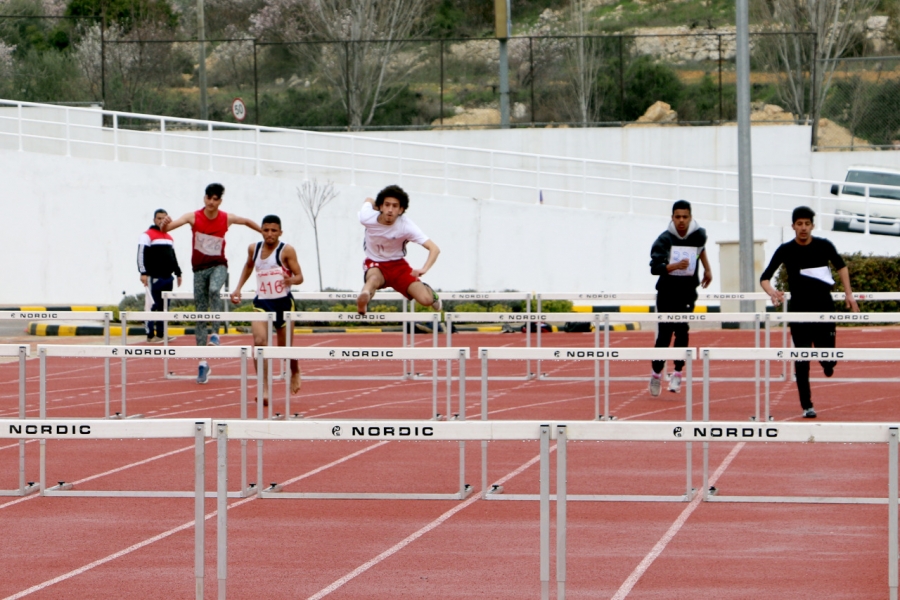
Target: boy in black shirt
[
  {"x": 674, "y": 257},
  {"x": 806, "y": 260}
]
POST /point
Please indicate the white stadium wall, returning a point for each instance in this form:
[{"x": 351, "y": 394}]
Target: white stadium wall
[{"x": 71, "y": 224}]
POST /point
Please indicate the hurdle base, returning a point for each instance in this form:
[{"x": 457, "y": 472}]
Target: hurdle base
[
  {"x": 28, "y": 489},
  {"x": 605, "y": 418},
  {"x": 366, "y": 496},
  {"x": 119, "y": 415},
  {"x": 797, "y": 499},
  {"x": 753, "y": 418},
  {"x": 277, "y": 417},
  {"x": 437, "y": 417},
  {"x": 591, "y": 498},
  {"x": 296, "y": 416},
  {"x": 495, "y": 489},
  {"x": 68, "y": 491}
]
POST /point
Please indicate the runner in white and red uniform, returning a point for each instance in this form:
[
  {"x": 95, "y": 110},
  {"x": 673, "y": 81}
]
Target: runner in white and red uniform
[
  {"x": 277, "y": 269},
  {"x": 209, "y": 226},
  {"x": 388, "y": 230}
]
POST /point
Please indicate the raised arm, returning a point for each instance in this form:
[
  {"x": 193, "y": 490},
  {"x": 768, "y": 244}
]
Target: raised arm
[
  {"x": 236, "y": 220},
  {"x": 433, "y": 252},
  {"x": 289, "y": 258},
  {"x": 245, "y": 275},
  {"x": 168, "y": 224}
]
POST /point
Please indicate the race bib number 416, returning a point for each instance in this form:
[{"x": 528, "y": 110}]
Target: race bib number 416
[{"x": 270, "y": 284}]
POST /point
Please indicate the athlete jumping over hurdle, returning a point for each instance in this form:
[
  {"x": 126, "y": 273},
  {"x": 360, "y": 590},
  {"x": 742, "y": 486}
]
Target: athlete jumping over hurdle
[
  {"x": 209, "y": 226},
  {"x": 674, "y": 257},
  {"x": 806, "y": 260},
  {"x": 388, "y": 230},
  {"x": 277, "y": 269}
]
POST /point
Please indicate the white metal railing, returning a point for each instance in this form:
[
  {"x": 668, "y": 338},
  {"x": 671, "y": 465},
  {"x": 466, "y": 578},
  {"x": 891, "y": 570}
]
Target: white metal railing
[{"x": 432, "y": 168}]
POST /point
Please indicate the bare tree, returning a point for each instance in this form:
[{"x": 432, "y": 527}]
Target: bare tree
[
  {"x": 314, "y": 197},
  {"x": 356, "y": 44},
  {"x": 833, "y": 26},
  {"x": 586, "y": 57}
]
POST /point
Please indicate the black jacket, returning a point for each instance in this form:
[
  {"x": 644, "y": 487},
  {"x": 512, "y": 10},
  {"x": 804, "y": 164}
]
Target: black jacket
[{"x": 677, "y": 286}]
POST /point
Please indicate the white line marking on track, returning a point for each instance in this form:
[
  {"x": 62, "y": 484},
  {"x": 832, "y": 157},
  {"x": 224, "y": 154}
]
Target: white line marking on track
[
  {"x": 170, "y": 532},
  {"x": 414, "y": 536},
  {"x": 639, "y": 571}
]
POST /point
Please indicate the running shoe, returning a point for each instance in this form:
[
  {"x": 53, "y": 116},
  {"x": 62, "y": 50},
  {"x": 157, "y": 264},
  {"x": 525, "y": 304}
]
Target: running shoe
[
  {"x": 436, "y": 305},
  {"x": 203, "y": 373},
  {"x": 809, "y": 413},
  {"x": 655, "y": 385},
  {"x": 214, "y": 339},
  {"x": 675, "y": 382},
  {"x": 829, "y": 369},
  {"x": 150, "y": 339}
]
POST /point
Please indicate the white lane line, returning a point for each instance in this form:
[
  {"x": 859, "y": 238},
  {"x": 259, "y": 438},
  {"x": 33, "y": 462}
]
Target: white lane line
[
  {"x": 414, "y": 536},
  {"x": 173, "y": 531},
  {"x": 639, "y": 571}
]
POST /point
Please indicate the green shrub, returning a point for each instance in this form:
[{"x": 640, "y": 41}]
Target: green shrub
[{"x": 556, "y": 306}]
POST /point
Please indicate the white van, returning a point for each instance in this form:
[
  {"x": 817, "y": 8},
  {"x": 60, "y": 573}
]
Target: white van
[{"x": 883, "y": 202}]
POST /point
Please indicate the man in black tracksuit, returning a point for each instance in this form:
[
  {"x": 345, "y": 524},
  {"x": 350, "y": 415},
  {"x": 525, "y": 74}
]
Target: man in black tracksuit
[
  {"x": 674, "y": 258},
  {"x": 157, "y": 262},
  {"x": 806, "y": 260}
]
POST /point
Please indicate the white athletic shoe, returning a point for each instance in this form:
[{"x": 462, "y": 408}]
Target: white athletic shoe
[
  {"x": 675, "y": 382},
  {"x": 655, "y": 385}
]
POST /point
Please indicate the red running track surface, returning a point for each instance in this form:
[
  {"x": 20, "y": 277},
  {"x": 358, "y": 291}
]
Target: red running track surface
[{"x": 75, "y": 548}]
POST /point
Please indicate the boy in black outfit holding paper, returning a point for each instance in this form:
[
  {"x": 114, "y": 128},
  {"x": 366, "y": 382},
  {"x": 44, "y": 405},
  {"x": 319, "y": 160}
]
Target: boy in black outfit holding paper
[
  {"x": 806, "y": 260},
  {"x": 674, "y": 257}
]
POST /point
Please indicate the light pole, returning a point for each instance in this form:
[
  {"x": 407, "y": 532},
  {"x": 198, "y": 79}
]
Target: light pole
[
  {"x": 201, "y": 36},
  {"x": 503, "y": 26},
  {"x": 745, "y": 167}
]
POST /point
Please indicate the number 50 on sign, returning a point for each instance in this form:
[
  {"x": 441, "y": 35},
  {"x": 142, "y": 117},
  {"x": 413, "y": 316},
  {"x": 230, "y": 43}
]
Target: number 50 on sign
[{"x": 238, "y": 109}]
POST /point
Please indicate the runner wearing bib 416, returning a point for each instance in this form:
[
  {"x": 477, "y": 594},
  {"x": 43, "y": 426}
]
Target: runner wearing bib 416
[{"x": 276, "y": 267}]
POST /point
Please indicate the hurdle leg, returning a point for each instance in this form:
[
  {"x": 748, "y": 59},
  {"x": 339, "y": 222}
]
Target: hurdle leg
[
  {"x": 243, "y": 417},
  {"x": 484, "y": 444},
  {"x": 124, "y": 320},
  {"x": 464, "y": 489},
  {"x": 22, "y": 416},
  {"x": 222, "y": 509},
  {"x": 706, "y": 490},
  {"x": 199, "y": 506},
  {"x": 893, "y": 553},
  {"x": 756, "y": 417},
  {"x": 259, "y": 415},
  {"x": 689, "y": 416},
  {"x": 545, "y": 512},
  {"x": 106, "y": 370},
  {"x": 42, "y": 444},
  {"x": 537, "y": 369},
  {"x": 449, "y": 374},
  {"x": 561, "y": 468}
]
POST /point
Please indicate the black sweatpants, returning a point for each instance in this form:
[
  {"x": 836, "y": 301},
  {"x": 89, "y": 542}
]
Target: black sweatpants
[
  {"x": 810, "y": 335},
  {"x": 667, "y": 330}
]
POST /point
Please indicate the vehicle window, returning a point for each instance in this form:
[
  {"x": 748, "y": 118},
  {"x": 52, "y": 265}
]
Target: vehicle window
[{"x": 892, "y": 179}]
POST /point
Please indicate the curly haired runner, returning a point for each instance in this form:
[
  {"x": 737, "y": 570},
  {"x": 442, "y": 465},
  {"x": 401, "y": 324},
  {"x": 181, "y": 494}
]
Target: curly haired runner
[{"x": 388, "y": 230}]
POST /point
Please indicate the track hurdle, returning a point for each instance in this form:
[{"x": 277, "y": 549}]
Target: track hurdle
[
  {"x": 369, "y": 354},
  {"x": 595, "y": 355},
  {"x": 69, "y": 429},
  {"x": 123, "y": 353},
  {"x": 839, "y": 433},
  {"x": 363, "y": 354},
  {"x": 167, "y": 317},
  {"x": 63, "y": 315},
  {"x": 379, "y": 318},
  {"x": 460, "y": 431},
  {"x": 22, "y": 353}
]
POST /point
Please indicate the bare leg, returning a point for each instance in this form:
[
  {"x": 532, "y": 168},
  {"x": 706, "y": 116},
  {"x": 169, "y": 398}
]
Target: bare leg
[
  {"x": 295, "y": 366},
  {"x": 260, "y": 338},
  {"x": 421, "y": 292},
  {"x": 374, "y": 281}
]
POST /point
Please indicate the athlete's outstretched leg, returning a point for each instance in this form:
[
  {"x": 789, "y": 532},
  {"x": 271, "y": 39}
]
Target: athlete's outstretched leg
[{"x": 374, "y": 281}]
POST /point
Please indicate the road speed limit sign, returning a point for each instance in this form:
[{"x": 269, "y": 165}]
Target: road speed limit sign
[{"x": 239, "y": 109}]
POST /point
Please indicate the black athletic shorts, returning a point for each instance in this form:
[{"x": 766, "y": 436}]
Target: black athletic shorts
[{"x": 277, "y": 305}]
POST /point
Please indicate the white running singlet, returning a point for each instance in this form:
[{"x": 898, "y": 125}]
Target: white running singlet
[
  {"x": 385, "y": 243},
  {"x": 270, "y": 274}
]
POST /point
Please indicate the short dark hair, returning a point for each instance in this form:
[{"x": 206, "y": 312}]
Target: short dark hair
[
  {"x": 158, "y": 211},
  {"x": 681, "y": 205},
  {"x": 215, "y": 189},
  {"x": 393, "y": 191},
  {"x": 271, "y": 219},
  {"x": 803, "y": 212}
]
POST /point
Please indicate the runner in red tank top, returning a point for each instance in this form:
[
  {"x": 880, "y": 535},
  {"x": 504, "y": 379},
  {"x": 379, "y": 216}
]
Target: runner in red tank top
[{"x": 209, "y": 225}]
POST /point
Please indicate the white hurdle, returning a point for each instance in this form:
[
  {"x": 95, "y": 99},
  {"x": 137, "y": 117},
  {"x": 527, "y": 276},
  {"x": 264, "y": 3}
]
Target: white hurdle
[
  {"x": 419, "y": 431},
  {"x": 374, "y": 318},
  {"x": 74, "y": 429},
  {"x": 839, "y": 433},
  {"x": 364, "y": 354},
  {"x": 123, "y": 353},
  {"x": 168, "y": 317},
  {"x": 22, "y": 353},
  {"x": 596, "y": 355}
]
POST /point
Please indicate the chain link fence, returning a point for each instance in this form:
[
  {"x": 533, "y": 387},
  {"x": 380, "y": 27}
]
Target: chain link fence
[{"x": 554, "y": 81}]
